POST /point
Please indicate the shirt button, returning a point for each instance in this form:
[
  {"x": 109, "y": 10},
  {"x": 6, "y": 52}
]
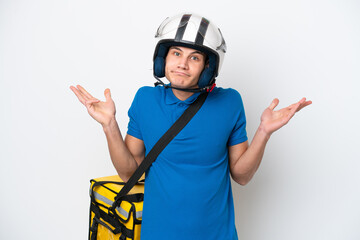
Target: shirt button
[{"x": 181, "y": 104}]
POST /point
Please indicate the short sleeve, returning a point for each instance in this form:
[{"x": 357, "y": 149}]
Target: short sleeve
[
  {"x": 134, "y": 118},
  {"x": 238, "y": 134}
]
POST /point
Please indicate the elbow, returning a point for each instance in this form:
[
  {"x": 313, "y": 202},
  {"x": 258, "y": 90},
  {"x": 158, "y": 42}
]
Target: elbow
[
  {"x": 125, "y": 176},
  {"x": 242, "y": 180},
  {"x": 242, "y": 176},
  {"x": 242, "y": 183}
]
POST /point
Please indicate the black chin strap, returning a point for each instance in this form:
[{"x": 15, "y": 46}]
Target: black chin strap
[{"x": 207, "y": 88}]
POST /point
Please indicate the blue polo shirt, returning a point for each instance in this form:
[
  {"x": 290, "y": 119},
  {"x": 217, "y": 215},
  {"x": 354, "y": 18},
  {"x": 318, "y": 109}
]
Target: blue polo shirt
[{"x": 187, "y": 189}]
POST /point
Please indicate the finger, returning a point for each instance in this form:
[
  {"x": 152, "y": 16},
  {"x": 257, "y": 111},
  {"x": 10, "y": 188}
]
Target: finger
[
  {"x": 107, "y": 94},
  {"x": 78, "y": 94},
  {"x": 292, "y": 105},
  {"x": 83, "y": 95},
  {"x": 296, "y": 105},
  {"x": 302, "y": 101},
  {"x": 84, "y": 92},
  {"x": 294, "y": 110},
  {"x": 91, "y": 101},
  {"x": 273, "y": 104},
  {"x": 307, "y": 103}
]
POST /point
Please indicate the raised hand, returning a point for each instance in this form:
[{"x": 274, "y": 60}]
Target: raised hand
[
  {"x": 273, "y": 120},
  {"x": 102, "y": 112}
]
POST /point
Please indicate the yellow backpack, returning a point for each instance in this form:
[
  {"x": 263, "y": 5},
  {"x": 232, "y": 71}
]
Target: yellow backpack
[{"x": 126, "y": 223}]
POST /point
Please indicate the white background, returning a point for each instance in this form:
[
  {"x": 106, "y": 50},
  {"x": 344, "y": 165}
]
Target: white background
[{"x": 308, "y": 184}]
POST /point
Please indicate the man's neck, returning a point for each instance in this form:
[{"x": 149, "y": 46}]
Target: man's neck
[{"x": 182, "y": 95}]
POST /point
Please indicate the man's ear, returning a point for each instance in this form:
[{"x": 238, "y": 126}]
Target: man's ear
[
  {"x": 206, "y": 76},
  {"x": 159, "y": 67}
]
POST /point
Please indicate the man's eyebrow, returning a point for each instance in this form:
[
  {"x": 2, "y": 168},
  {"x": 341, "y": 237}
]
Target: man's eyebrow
[
  {"x": 198, "y": 52},
  {"x": 179, "y": 49}
]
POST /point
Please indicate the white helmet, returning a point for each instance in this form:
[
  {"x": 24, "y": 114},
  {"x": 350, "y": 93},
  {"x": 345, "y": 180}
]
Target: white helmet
[{"x": 192, "y": 31}]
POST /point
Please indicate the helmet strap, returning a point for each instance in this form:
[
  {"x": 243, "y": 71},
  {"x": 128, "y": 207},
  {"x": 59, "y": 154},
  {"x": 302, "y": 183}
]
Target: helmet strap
[{"x": 207, "y": 88}]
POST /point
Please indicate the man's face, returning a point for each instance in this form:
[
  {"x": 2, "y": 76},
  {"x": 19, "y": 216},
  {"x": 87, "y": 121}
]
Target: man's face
[{"x": 183, "y": 66}]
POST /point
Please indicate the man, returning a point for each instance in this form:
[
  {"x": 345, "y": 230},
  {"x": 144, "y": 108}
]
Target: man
[{"x": 188, "y": 190}]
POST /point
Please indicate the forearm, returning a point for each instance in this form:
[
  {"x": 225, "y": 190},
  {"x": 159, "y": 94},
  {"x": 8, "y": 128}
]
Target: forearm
[
  {"x": 248, "y": 163},
  {"x": 123, "y": 161}
]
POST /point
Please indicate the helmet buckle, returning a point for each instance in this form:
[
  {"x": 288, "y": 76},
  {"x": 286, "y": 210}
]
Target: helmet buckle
[{"x": 211, "y": 88}]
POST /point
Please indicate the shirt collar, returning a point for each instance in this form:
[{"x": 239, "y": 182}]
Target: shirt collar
[{"x": 170, "y": 98}]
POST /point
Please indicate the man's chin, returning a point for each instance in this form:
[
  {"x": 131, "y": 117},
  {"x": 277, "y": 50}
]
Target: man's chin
[{"x": 183, "y": 86}]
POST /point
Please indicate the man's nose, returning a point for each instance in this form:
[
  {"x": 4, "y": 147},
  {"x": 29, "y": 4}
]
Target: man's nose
[{"x": 183, "y": 63}]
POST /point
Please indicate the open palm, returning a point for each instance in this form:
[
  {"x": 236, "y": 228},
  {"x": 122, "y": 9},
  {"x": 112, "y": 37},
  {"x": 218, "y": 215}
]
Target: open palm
[
  {"x": 273, "y": 120},
  {"x": 102, "y": 112}
]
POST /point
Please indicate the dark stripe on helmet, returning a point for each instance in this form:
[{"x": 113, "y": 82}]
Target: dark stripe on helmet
[
  {"x": 202, "y": 31},
  {"x": 182, "y": 26}
]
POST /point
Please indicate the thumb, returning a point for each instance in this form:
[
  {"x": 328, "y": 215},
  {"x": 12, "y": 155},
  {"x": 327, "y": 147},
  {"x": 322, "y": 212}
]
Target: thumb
[
  {"x": 107, "y": 94},
  {"x": 274, "y": 103}
]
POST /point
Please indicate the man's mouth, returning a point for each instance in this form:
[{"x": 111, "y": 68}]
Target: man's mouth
[{"x": 181, "y": 73}]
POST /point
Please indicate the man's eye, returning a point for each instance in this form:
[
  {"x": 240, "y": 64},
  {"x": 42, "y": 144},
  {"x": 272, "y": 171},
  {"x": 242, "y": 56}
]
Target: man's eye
[
  {"x": 176, "y": 54},
  {"x": 194, "y": 58}
]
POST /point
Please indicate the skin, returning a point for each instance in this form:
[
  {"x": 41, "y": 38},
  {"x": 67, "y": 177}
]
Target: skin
[{"x": 183, "y": 67}]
